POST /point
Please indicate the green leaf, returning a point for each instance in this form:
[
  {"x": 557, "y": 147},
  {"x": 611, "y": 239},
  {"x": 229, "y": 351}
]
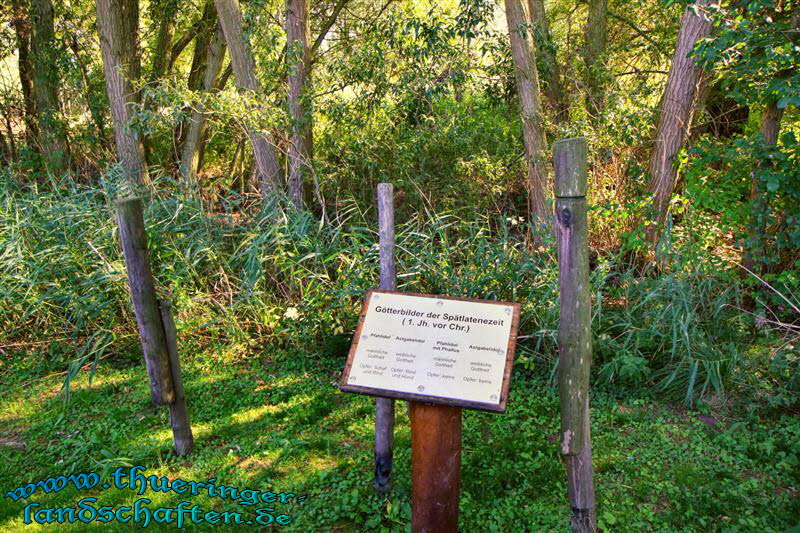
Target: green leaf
[{"x": 609, "y": 518}]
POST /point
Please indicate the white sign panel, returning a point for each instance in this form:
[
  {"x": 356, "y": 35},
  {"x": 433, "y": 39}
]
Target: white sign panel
[{"x": 433, "y": 348}]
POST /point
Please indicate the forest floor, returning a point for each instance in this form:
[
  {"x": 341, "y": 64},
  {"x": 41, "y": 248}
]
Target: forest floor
[{"x": 276, "y": 422}]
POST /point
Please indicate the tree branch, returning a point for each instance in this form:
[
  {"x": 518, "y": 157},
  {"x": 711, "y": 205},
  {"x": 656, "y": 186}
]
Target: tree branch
[{"x": 327, "y": 25}]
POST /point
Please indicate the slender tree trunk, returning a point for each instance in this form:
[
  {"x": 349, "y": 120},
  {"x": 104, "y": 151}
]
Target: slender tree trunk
[
  {"x": 297, "y": 60},
  {"x": 22, "y": 29},
  {"x": 545, "y": 48},
  {"x": 225, "y": 76},
  {"x": 759, "y": 201},
  {"x": 684, "y": 85},
  {"x": 164, "y": 12},
  {"x": 5, "y": 152},
  {"x": 196, "y": 127},
  {"x": 209, "y": 24},
  {"x": 204, "y": 36},
  {"x": 531, "y": 109},
  {"x": 185, "y": 39},
  {"x": 12, "y": 146},
  {"x": 118, "y": 25},
  {"x": 244, "y": 70},
  {"x": 594, "y": 58},
  {"x": 94, "y": 108},
  {"x": 52, "y": 138}
]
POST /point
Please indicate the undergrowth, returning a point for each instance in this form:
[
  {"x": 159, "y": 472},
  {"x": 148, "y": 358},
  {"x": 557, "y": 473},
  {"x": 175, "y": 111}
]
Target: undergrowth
[{"x": 254, "y": 277}]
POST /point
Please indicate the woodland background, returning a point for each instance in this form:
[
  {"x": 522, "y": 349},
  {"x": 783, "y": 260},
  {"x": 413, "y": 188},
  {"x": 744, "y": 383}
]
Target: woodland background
[{"x": 258, "y": 131}]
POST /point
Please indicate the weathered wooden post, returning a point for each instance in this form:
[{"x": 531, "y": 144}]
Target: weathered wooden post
[
  {"x": 178, "y": 414},
  {"x": 130, "y": 220},
  {"x": 574, "y": 330},
  {"x": 384, "y": 407},
  {"x": 155, "y": 322}
]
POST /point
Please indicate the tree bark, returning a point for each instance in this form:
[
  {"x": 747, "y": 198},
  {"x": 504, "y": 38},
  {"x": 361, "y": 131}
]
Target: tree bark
[
  {"x": 118, "y": 25},
  {"x": 202, "y": 39},
  {"x": 208, "y": 25},
  {"x": 22, "y": 29},
  {"x": 297, "y": 61},
  {"x": 195, "y": 130},
  {"x": 244, "y": 70},
  {"x": 164, "y": 11},
  {"x": 681, "y": 95},
  {"x": 594, "y": 58},
  {"x": 95, "y": 108},
  {"x": 52, "y": 132},
  {"x": 545, "y": 48},
  {"x": 756, "y": 247},
  {"x": 530, "y": 108}
]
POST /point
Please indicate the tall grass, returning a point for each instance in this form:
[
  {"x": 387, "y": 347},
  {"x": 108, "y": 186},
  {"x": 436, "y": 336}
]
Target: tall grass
[{"x": 250, "y": 278}]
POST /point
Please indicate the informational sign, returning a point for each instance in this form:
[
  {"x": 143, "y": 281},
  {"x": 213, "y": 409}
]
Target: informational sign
[{"x": 434, "y": 349}]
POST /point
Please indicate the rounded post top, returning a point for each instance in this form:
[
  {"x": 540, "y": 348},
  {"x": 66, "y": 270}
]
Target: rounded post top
[
  {"x": 385, "y": 188},
  {"x": 126, "y": 200},
  {"x": 570, "y": 162}
]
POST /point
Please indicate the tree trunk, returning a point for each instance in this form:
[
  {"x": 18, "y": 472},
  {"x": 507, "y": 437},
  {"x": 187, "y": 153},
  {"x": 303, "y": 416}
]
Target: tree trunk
[
  {"x": 545, "y": 48},
  {"x": 190, "y": 154},
  {"x": 22, "y": 29},
  {"x": 164, "y": 11},
  {"x": 203, "y": 34},
  {"x": 594, "y": 58},
  {"x": 95, "y": 108},
  {"x": 297, "y": 61},
  {"x": 52, "y": 132},
  {"x": 244, "y": 70},
  {"x": 759, "y": 201},
  {"x": 684, "y": 84},
  {"x": 208, "y": 25},
  {"x": 531, "y": 109},
  {"x": 118, "y": 25},
  {"x": 5, "y": 151}
]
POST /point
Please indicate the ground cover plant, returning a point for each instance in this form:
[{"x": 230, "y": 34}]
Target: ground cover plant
[{"x": 257, "y": 422}]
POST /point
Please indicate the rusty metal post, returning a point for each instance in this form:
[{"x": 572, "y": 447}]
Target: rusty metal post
[{"x": 435, "y": 467}]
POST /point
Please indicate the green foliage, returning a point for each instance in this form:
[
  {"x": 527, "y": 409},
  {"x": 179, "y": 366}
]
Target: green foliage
[
  {"x": 275, "y": 426},
  {"x": 719, "y": 176},
  {"x": 754, "y": 56},
  {"x": 461, "y": 154},
  {"x": 283, "y": 278},
  {"x": 755, "y": 51},
  {"x": 681, "y": 331}
]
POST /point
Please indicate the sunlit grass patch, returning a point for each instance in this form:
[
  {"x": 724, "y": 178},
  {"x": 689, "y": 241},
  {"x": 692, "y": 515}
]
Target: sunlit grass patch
[{"x": 271, "y": 425}]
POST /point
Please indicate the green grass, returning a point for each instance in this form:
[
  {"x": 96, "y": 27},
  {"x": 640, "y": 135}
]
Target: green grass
[{"x": 275, "y": 421}]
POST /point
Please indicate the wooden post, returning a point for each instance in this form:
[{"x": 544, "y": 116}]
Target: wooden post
[
  {"x": 435, "y": 467},
  {"x": 384, "y": 407},
  {"x": 148, "y": 318},
  {"x": 574, "y": 330},
  {"x": 178, "y": 414}
]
